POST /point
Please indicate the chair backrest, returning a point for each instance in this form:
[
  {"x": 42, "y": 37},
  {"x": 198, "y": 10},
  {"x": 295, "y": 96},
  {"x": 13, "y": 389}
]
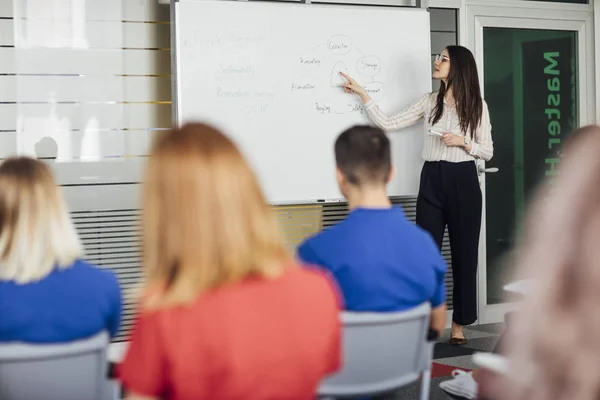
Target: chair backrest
[
  {"x": 381, "y": 352},
  {"x": 75, "y": 370}
]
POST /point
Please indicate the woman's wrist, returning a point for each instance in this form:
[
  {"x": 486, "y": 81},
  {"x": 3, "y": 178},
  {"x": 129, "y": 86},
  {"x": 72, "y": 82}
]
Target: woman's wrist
[
  {"x": 468, "y": 148},
  {"x": 365, "y": 98}
]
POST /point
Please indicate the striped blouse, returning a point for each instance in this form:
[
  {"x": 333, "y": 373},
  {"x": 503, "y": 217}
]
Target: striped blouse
[{"x": 434, "y": 149}]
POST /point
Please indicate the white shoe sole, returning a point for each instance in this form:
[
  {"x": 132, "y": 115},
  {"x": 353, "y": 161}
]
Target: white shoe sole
[{"x": 457, "y": 391}]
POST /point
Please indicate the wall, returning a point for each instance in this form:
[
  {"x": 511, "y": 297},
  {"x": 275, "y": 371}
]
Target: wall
[{"x": 94, "y": 77}]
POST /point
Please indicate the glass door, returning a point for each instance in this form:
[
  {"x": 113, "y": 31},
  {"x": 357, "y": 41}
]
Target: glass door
[{"x": 534, "y": 73}]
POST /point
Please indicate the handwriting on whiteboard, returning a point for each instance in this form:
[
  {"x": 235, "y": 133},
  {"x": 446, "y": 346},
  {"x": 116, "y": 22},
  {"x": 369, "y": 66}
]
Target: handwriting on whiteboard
[
  {"x": 234, "y": 71},
  {"x": 310, "y": 61},
  {"x": 323, "y": 108},
  {"x": 321, "y": 69},
  {"x": 201, "y": 38},
  {"x": 242, "y": 82}
]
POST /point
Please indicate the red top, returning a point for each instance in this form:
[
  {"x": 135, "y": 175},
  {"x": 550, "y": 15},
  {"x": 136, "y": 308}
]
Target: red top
[{"x": 255, "y": 340}]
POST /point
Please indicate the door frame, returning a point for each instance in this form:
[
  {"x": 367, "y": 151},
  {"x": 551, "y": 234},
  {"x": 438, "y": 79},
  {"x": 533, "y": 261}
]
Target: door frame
[{"x": 564, "y": 19}]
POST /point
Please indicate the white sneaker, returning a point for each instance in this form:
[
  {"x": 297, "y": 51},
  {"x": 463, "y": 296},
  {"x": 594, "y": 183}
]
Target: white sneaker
[{"x": 462, "y": 385}]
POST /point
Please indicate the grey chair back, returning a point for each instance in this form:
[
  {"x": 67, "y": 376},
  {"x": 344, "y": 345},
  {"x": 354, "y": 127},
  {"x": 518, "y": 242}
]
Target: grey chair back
[
  {"x": 382, "y": 352},
  {"x": 75, "y": 370}
]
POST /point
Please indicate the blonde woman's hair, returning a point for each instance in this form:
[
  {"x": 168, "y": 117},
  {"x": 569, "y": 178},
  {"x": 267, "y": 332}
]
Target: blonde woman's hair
[
  {"x": 36, "y": 233},
  {"x": 554, "y": 341},
  {"x": 205, "y": 220}
]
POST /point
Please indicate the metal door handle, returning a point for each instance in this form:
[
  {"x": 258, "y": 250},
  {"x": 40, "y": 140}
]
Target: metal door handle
[{"x": 482, "y": 170}]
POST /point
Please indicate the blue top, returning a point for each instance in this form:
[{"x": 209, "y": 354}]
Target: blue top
[
  {"x": 380, "y": 260},
  {"x": 66, "y": 305}
]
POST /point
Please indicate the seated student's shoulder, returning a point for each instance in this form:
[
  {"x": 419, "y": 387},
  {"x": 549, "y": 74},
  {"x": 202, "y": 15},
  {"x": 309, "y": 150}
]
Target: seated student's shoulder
[
  {"x": 424, "y": 237},
  {"x": 330, "y": 234},
  {"x": 427, "y": 247},
  {"x": 313, "y": 249},
  {"x": 85, "y": 270},
  {"x": 308, "y": 251}
]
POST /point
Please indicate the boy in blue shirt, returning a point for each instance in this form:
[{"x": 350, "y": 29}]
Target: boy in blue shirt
[{"x": 380, "y": 260}]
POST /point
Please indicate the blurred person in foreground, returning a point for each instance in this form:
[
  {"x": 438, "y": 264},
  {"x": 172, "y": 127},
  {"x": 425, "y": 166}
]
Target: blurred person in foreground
[
  {"x": 226, "y": 312},
  {"x": 553, "y": 345}
]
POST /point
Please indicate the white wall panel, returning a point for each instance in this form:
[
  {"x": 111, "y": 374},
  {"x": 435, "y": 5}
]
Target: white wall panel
[
  {"x": 8, "y": 143},
  {"x": 97, "y": 34},
  {"x": 139, "y": 142},
  {"x": 97, "y": 10},
  {"x": 6, "y": 9},
  {"x": 95, "y": 88},
  {"x": 84, "y": 62},
  {"x": 25, "y": 117},
  {"x": 111, "y": 143},
  {"x": 7, "y": 37},
  {"x": 102, "y": 198}
]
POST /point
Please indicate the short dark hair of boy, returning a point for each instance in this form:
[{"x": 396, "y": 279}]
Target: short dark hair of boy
[{"x": 362, "y": 153}]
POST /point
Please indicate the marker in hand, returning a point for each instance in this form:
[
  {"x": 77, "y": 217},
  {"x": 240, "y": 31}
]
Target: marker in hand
[{"x": 434, "y": 132}]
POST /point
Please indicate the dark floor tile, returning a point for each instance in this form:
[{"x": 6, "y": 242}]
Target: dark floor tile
[
  {"x": 445, "y": 350},
  {"x": 490, "y": 328},
  {"x": 483, "y": 344}
]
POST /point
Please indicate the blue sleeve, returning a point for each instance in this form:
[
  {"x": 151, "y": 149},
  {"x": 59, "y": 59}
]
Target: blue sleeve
[
  {"x": 306, "y": 254},
  {"x": 114, "y": 319}
]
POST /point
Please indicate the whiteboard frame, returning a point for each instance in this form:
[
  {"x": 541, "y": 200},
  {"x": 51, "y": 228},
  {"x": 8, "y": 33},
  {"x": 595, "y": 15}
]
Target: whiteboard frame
[{"x": 174, "y": 18}]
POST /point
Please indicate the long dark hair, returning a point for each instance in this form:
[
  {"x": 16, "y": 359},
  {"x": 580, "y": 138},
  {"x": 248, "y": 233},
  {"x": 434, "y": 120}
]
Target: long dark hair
[{"x": 464, "y": 82}]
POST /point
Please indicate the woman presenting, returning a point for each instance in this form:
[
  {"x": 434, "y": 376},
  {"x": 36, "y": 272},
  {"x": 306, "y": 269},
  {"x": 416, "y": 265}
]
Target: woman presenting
[{"x": 449, "y": 192}]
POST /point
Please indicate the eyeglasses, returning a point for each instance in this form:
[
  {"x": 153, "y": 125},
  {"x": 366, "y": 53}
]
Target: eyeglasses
[{"x": 441, "y": 58}]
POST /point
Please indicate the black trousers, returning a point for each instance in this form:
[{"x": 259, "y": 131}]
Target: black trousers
[{"x": 449, "y": 194}]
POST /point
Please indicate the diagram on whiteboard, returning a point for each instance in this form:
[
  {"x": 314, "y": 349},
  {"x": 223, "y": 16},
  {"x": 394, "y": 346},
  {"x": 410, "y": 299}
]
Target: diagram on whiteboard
[{"x": 320, "y": 81}]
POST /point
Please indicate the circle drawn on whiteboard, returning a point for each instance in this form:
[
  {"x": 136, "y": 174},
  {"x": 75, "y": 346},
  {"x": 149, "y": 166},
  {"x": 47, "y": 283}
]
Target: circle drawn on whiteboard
[
  {"x": 339, "y": 44},
  {"x": 336, "y": 77},
  {"x": 369, "y": 65}
]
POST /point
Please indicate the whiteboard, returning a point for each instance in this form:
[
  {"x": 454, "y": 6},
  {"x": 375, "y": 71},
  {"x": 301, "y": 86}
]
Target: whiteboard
[{"x": 266, "y": 74}]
